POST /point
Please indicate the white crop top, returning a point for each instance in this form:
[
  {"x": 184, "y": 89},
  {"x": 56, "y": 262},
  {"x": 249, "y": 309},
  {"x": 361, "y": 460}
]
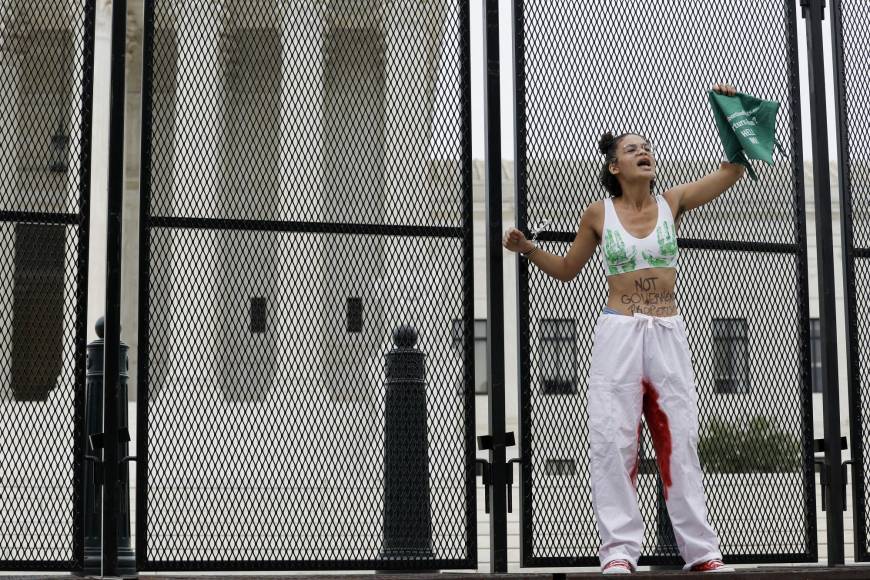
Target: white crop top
[{"x": 621, "y": 252}]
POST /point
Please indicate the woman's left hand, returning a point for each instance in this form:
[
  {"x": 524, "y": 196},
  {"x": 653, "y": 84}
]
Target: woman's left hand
[{"x": 724, "y": 89}]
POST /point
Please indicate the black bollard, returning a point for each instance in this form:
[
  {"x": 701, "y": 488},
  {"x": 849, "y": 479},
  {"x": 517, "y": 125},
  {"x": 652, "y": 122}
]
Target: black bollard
[
  {"x": 94, "y": 451},
  {"x": 407, "y": 509}
]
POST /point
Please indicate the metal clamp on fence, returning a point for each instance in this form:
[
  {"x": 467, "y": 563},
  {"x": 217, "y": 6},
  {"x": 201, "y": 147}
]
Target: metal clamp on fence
[
  {"x": 492, "y": 442},
  {"x": 805, "y": 7},
  {"x": 484, "y": 471},
  {"x": 822, "y": 468},
  {"x": 509, "y": 479},
  {"x": 845, "y": 468},
  {"x": 96, "y": 441},
  {"x": 484, "y": 468}
]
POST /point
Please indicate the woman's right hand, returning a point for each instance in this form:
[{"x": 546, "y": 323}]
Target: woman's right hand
[{"x": 515, "y": 240}]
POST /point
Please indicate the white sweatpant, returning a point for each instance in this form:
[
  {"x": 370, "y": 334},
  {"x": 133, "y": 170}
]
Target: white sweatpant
[{"x": 642, "y": 365}]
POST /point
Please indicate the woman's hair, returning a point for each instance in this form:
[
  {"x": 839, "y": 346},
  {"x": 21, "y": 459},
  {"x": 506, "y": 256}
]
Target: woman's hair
[{"x": 607, "y": 145}]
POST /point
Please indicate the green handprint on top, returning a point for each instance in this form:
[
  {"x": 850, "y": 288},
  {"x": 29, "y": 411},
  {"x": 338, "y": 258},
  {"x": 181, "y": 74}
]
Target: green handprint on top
[
  {"x": 618, "y": 261},
  {"x": 667, "y": 247}
]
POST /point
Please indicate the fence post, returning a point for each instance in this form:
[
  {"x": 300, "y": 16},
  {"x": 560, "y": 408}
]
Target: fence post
[
  {"x": 115, "y": 201},
  {"x": 495, "y": 294},
  {"x": 813, "y": 13}
]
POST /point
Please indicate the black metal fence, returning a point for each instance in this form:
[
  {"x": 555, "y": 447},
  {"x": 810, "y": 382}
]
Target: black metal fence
[
  {"x": 849, "y": 23},
  {"x": 306, "y": 355},
  {"x": 306, "y": 287},
  {"x": 46, "y": 81},
  {"x": 742, "y": 282}
]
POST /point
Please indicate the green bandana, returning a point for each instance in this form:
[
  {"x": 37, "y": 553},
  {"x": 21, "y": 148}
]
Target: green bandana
[{"x": 746, "y": 127}]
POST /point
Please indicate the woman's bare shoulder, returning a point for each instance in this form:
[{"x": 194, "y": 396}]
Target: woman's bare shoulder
[
  {"x": 672, "y": 196},
  {"x": 593, "y": 217},
  {"x": 594, "y": 209}
]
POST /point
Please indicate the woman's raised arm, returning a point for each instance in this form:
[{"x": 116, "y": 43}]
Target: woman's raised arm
[{"x": 688, "y": 196}]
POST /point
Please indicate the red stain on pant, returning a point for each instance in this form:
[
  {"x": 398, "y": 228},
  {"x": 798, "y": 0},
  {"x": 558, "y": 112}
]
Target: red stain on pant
[{"x": 657, "y": 421}]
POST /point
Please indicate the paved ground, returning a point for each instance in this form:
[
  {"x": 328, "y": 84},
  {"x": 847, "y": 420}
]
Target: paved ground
[{"x": 766, "y": 573}]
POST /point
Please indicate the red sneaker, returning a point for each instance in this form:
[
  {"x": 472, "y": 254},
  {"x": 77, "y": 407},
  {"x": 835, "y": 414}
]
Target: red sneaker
[
  {"x": 617, "y": 567},
  {"x": 712, "y": 566}
]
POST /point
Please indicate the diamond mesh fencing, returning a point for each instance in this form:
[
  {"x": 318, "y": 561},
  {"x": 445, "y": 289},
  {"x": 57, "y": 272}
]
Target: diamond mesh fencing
[
  {"x": 46, "y": 79},
  {"x": 853, "y": 111},
  {"x": 306, "y": 386},
  {"x": 742, "y": 278}
]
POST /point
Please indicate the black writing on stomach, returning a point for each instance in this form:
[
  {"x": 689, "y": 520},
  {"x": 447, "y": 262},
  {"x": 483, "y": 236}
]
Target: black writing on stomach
[{"x": 648, "y": 299}]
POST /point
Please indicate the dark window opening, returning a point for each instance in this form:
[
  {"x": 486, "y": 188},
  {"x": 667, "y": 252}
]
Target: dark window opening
[
  {"x": 816, "y": 354},
  {"x": 559, "y": 356},
  {"x": 37, "y": 311},
  {"x": 258, "y": 315},
  {"x": 560, "y": 467},
  {"x": 354, "y": 314},
  {"x": 731, "y": 356},
  {"x": 457, "y": 331}
]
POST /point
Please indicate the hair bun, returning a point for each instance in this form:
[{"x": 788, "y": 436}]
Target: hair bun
[{"x": 606, "y": 142}]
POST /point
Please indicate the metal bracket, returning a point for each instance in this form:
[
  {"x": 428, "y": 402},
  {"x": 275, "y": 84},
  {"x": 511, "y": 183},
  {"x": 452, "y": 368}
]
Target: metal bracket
[
  {"x": 845, "y": 476},
  {"x": 484, "y": 467},
  {"x": 819, "y": 445},
  {"x": 484, "y": 471},
  {"x": 509, "y": 479},
  {"x": 96, "y": 441},
  {"x": 491, "y": 442},
  {"x": 98, "y": 468},
  {"x": 805, "y": 6},
  {"x": 822, "y": 468}
]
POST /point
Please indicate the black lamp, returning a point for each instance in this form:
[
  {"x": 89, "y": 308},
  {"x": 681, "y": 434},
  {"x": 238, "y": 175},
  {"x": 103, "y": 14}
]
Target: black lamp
[{"x": 58, "y": 156}]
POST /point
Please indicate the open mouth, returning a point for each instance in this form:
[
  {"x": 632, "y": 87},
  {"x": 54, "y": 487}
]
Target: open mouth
[{"x": 644, "y": 163}]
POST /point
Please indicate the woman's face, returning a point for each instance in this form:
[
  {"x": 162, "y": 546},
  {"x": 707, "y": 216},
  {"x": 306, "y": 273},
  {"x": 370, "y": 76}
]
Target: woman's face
[{"x": 634, "y": 159}]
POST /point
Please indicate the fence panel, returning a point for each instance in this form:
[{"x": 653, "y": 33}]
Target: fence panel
[
  {"x": 849, "y": 22},
  {"x": 306, "y": 395},
  {"x": 742, "y": 284},
  {"x": 46, "y": 82}
]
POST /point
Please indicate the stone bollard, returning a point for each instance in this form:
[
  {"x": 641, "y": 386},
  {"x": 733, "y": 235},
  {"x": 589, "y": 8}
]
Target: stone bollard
[
  {"x": 93, "y": 469},
  {"x": 407, "y": 509}
]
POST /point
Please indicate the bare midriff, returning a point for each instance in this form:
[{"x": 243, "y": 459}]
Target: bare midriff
[{"x": 648, "y": 291}]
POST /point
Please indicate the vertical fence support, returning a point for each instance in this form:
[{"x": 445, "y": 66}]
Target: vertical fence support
[
  {"x": 495, "y": 285},
  {"x": 813, "y": 13},
  {"x": 856, "y": 444},
  {"x": 112, "y": 353}
]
